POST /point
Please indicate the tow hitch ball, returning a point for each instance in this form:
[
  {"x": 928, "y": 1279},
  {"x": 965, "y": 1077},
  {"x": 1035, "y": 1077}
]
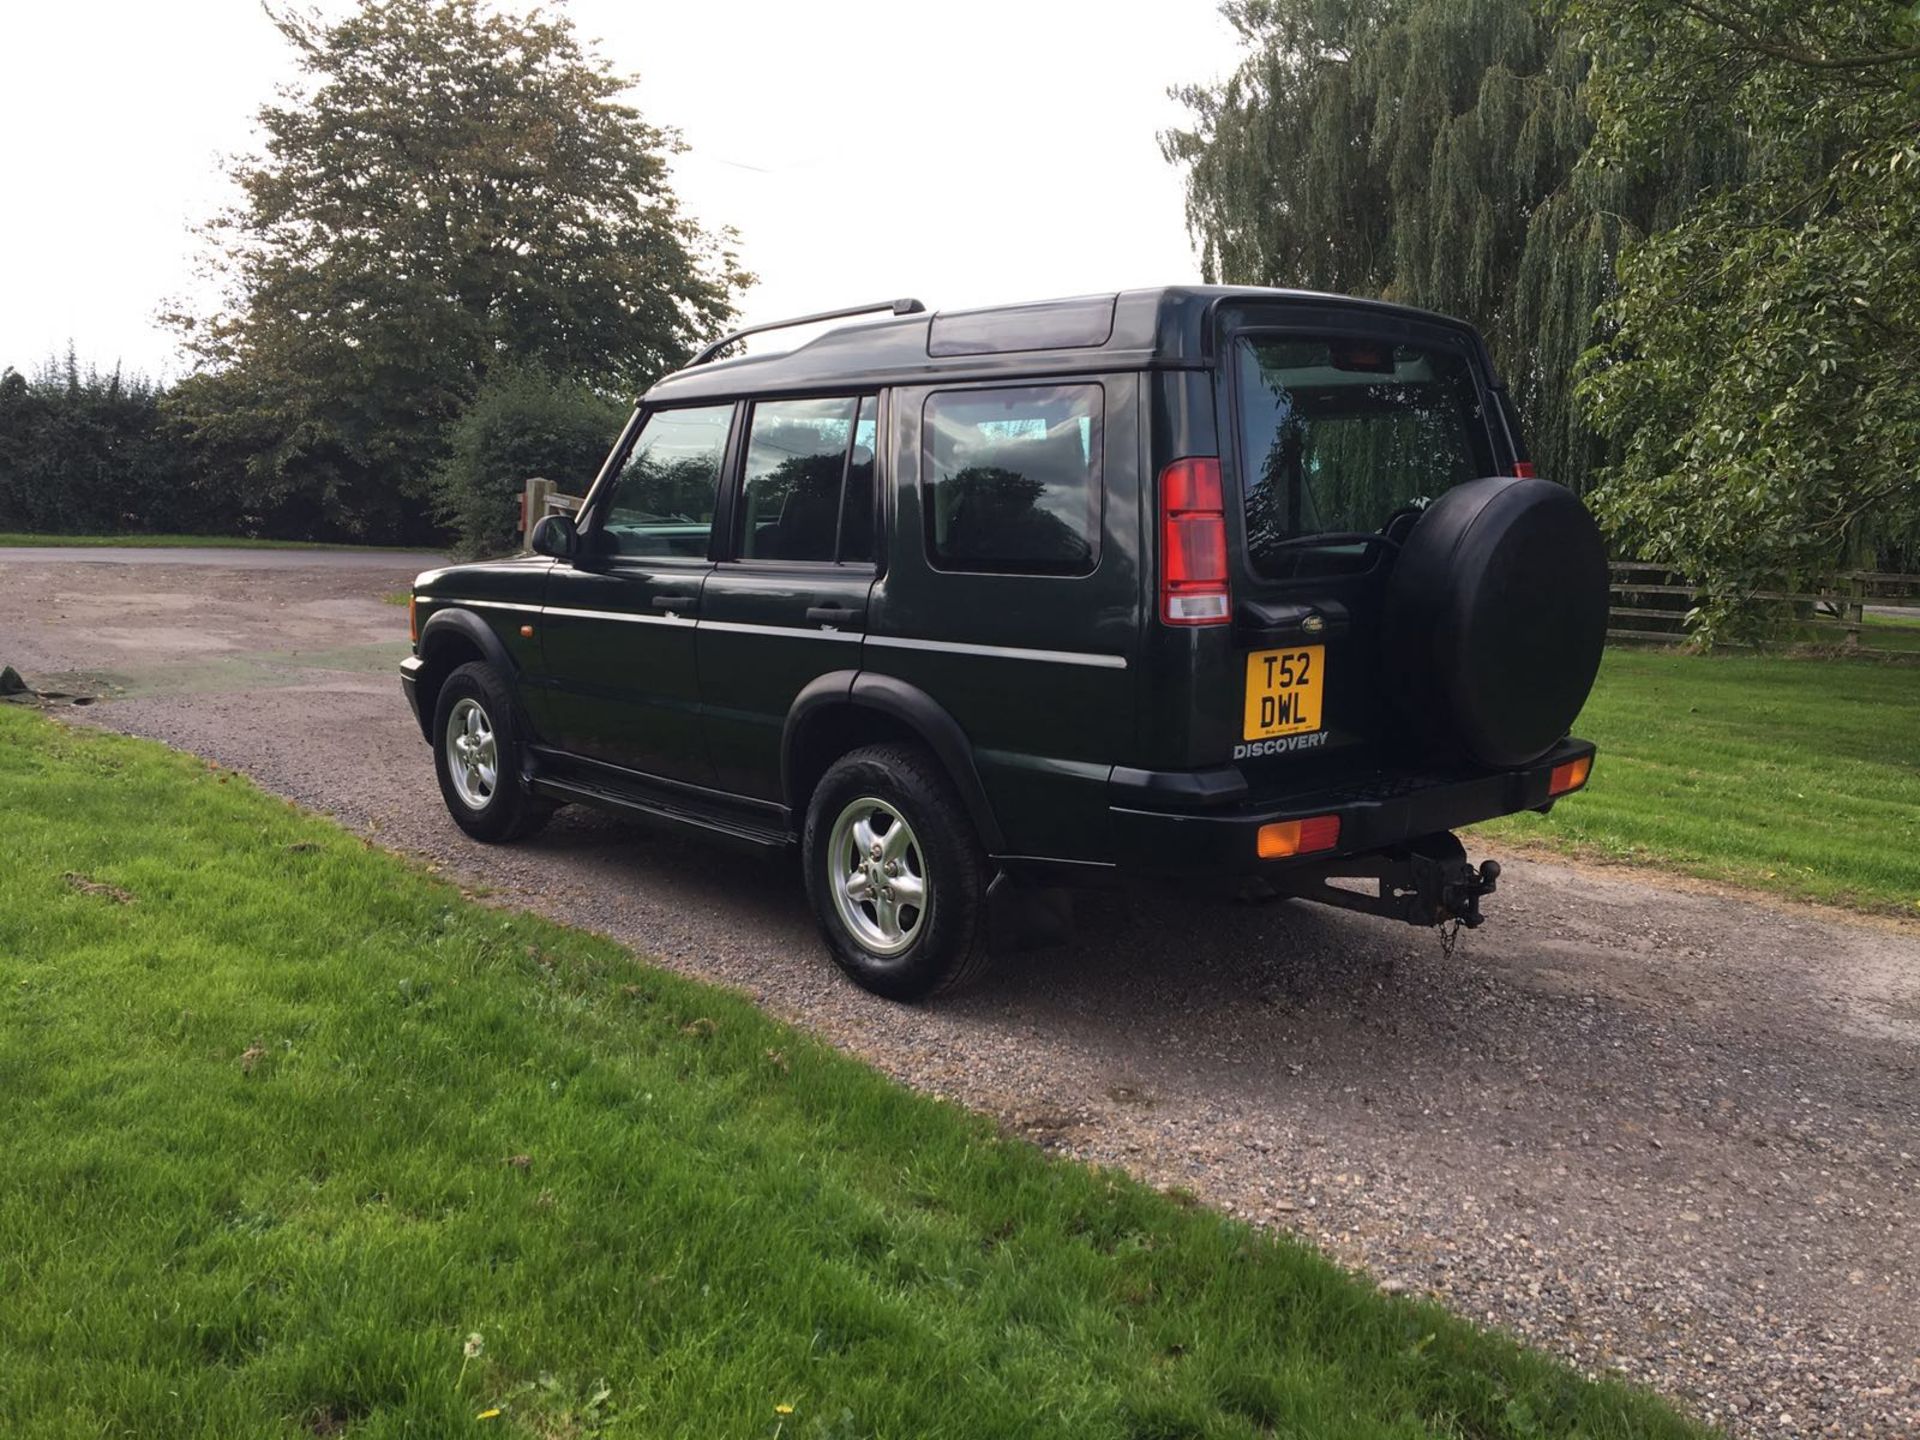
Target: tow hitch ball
[
  {"x": 1428, "y": 881},
  {"x": 1460, "y": 899}
]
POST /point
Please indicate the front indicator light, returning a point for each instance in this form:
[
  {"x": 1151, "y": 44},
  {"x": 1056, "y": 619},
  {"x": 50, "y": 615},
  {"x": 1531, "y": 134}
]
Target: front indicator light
[
  {"x": 1299, "y": 837},
  {"x": 413, "y": 619},
  {"x": 1570, "y": 776}
]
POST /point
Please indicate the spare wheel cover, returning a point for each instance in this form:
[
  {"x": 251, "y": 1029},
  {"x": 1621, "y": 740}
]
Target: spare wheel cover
[{"x": 1495, "y": 618}]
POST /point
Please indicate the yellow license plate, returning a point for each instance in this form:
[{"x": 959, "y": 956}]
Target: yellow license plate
[{"x": 1283, "y": 691}]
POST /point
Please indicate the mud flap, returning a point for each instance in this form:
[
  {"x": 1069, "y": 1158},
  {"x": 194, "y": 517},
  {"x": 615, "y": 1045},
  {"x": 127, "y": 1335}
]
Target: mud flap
[
  {"x": 1428, "y": 881},
  {"x": 1026, "y": 917}
]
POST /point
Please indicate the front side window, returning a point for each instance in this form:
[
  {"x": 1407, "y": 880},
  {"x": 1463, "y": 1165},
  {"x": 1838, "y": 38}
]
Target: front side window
[
  {"x": 662, "y": 500},
  {"x": 1012, "y": 479},
  {"x": 1339, "y": 434},
  {"x": 807, "y": 487}
]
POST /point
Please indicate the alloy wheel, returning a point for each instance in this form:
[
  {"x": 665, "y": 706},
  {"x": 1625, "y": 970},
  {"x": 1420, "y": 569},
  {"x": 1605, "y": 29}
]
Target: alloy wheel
[
  {"x": 473, "y": 757},
  {"x": 878, "y": 875}
]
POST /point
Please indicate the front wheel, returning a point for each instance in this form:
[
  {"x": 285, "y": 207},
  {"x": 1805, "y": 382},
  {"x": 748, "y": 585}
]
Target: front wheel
[
  {"x": 476, "y": 755},
  {"x": 896, "y": 874}
]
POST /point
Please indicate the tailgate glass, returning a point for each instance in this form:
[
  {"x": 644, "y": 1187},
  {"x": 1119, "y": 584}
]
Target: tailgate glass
[{"x": 1338, "y": 434}]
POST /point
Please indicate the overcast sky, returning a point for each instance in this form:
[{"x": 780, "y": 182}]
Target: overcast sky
[{"x": 1004, "y": 150}]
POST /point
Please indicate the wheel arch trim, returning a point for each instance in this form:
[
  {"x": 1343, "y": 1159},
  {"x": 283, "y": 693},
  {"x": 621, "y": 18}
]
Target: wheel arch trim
[
  {"x": 918, "y": 711},
  {"x": 454, "y": 623}
]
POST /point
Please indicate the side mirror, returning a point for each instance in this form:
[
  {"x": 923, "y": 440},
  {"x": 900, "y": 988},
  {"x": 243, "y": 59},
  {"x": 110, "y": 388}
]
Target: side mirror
[{"x": 555, "y": 535}]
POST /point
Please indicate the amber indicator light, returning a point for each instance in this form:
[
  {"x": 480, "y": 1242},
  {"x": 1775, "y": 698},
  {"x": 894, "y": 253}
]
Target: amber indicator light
[
  {"x": 1299, "y": 837},
  {"x": 1570, "y": 776}
]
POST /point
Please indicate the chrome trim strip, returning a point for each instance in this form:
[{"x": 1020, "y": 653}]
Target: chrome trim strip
[
  {"x": 1004, "y": 652},
  {"x": 476, "y": 604},
  {"x": 812, "y": 632},
  {"x": 897, "y": 642},
  {"x": 666, "y": 617}
]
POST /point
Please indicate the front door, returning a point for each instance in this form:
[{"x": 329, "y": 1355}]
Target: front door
[
  {"x": 620, "y": 621},
  {"x": 788, "y": 601}
]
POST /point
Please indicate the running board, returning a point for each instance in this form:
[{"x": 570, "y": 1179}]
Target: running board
[
  {"x": 728, "y": 825},
  {"x": 1428, "y": 881}
]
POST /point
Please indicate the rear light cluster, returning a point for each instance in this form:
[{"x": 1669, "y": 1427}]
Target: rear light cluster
[
  {"x": 1193, "y": 544},
  {"x": 1523, "y": 470},
  {"x": 1299, "y": 837}
]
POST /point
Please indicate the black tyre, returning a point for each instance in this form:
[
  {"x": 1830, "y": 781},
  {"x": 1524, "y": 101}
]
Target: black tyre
[
  {"x": 476, "y": 755},
  {"x": 896, "y": 874}
]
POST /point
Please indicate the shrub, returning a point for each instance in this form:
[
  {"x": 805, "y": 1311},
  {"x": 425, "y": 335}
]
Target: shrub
[
  {"x": 522, "y": 423},
  {"x": 83, "y": 452}
]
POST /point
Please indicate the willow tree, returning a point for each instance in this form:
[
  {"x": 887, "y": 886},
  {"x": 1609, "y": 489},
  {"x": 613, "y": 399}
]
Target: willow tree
[{"x": 1428, "y": 152}]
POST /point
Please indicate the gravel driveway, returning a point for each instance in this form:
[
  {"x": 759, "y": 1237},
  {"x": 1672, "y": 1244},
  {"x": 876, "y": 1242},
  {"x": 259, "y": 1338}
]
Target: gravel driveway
[{"x": 1649, "y": 1127}]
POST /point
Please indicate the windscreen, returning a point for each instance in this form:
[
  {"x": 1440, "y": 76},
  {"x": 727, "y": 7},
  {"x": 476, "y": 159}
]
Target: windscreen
[{"x": 1339, "y": 434}]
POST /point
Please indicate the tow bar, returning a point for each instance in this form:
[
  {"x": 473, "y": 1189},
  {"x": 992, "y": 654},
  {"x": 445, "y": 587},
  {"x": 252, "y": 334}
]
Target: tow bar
[{"x": 1428, "y": 881}]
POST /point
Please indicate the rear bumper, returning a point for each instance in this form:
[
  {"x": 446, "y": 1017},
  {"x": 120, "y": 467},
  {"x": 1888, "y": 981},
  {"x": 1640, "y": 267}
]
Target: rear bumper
[{"x": 1376, "y": 812}]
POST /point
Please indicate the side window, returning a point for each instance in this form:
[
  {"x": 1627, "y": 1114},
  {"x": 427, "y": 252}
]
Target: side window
[
  {"x": 1012, "y": 479},
  {"x": 662, "y": 500},
  {"x": 807, "y": 486},
  {"x": 856, "y": 506}
]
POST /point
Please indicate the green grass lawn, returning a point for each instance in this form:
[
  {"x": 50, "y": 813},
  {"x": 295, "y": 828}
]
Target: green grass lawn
[
  {"x": 177, "y": 542},
  {"x": 1800, "y": 776},
  {"x": 300, "y": 1142},
  {"x": 1878, "y": 632}
]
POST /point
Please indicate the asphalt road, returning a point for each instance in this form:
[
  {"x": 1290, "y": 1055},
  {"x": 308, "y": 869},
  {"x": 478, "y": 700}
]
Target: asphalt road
[{"x": 1653, "y": 1128}]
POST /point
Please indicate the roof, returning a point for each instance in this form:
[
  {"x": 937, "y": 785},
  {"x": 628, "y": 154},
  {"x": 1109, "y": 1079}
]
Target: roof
[{"x": 1170, "y": 326}]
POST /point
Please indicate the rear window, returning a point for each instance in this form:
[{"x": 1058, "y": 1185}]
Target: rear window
[
  {"x": 1338, "y": 434},
  {"x": 1012, "y": 479}
]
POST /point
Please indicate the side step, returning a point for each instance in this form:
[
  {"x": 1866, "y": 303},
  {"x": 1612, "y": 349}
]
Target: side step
[{"x": 763, "y": 827}]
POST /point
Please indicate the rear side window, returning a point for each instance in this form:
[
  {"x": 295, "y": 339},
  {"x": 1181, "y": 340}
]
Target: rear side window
[
  {"x": 1011, "y": 479},
  {"x": 662, "y": 499},
  {"x": 1338, "y": 434},
  {"x": 807, "y": 488}
]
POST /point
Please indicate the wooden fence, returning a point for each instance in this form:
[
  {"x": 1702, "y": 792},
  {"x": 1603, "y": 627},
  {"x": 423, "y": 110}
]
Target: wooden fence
[
  {"x": 1650, "y": 605},
  {"x": 540, "y": 499}
]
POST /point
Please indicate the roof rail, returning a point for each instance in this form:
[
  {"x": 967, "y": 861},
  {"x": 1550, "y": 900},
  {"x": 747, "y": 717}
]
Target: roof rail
[{"x": 898, "y": 307}]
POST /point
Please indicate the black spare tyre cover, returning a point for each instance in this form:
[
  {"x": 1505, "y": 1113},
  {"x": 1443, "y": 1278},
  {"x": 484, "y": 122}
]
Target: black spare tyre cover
[{"x": 1496, "y": 611}]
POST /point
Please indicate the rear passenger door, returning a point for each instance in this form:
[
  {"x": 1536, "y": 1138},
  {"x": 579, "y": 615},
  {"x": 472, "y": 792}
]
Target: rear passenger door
[
  {"x": 1012, "y": 589},
  {"x": 787, "y": 602}
]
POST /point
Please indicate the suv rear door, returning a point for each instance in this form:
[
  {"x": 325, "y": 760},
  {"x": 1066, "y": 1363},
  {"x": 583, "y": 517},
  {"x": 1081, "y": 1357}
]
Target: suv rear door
[
  {"x": 1337, "y": 424},
  {"x": 787, "y": 602},
  {"x": 1011, "y": 588}
]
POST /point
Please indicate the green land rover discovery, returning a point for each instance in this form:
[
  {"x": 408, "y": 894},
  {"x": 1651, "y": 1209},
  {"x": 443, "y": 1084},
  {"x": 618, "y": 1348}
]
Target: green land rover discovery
[{"x": 1252, "y": 589}]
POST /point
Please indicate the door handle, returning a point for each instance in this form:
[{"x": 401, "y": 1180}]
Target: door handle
[
  {"x": 684, "y": 603},
  {"x": 847, "y": 617}
]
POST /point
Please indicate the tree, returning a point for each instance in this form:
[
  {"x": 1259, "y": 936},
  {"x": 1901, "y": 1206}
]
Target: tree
[
  {"x": 1429, "y": 152},
  {"x": 1760, "y": 372},
  {"x": 446, "y": 188}
]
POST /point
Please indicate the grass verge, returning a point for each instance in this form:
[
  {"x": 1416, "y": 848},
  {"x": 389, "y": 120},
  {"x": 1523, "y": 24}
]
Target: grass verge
[
  {"x": 180, "y": 542},
  {"x": 1796, "y": 776},
  {"x": 301, "y": 1142}
]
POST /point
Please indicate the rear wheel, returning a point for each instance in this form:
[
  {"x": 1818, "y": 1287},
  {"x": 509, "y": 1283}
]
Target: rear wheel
[
  {"x": 896, "y": 874},
  {"x": 476, "y": 756}
]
